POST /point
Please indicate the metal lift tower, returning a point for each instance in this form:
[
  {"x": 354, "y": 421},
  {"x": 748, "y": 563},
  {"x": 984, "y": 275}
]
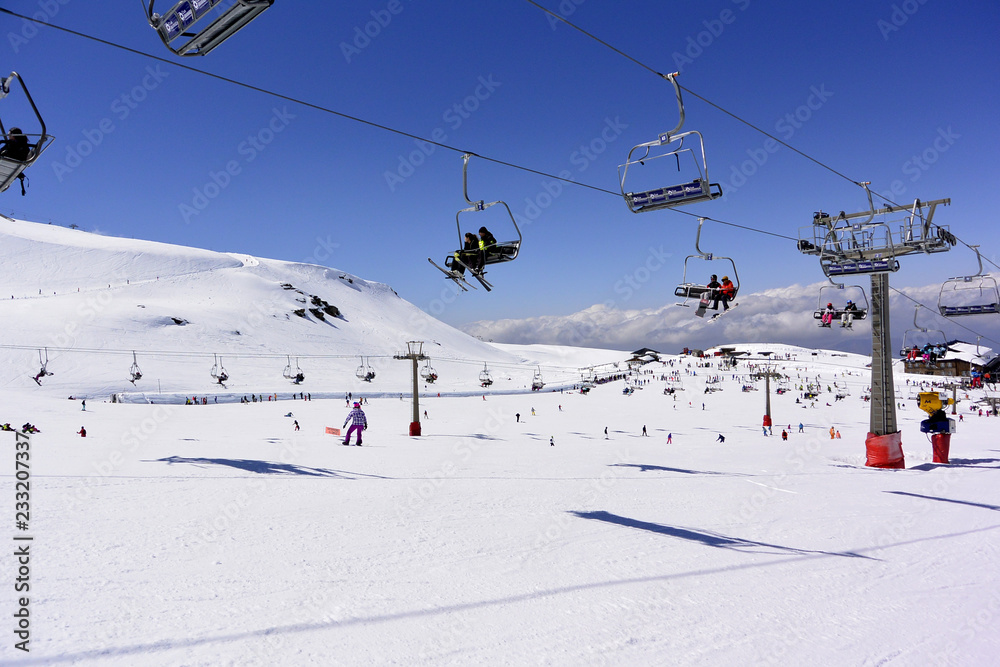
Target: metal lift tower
[{"x": 855, "y": 244}]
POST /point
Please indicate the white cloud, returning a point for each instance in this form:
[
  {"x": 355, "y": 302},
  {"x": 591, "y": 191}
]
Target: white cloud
[{"x": 782, "y": 315}]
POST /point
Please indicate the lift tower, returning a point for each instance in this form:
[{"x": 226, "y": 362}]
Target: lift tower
[
  {"x": 415, "y": 353},
  {"x": 855, "y": 244}
]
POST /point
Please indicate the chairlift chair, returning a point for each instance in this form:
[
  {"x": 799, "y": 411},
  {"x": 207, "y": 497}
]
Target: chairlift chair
[
  {"x": 134, "y": 372},
  {"x": 10, "y": 167},
  {"x": 175, "y": 26},
  {"x": 428, "y": 373},
  {"x": 505, "y": 251},
  {"x": 218, "y": 370},
  {"x": 365, "y": 372},
  {"x": 294, "y": 374},
  {"x": 666, "y": 145},
  {"x": 485, "y": 379},
  {"x": 690, "y": 290},
  {"x": 838, "y": 311},
  {"x": 978, "y": 294},
  {"x": 536, "y": 381},
  {"x": 920, "y": 336},
  {"x": 848, "y": 248},
  {"x": 43, "y": 363}
]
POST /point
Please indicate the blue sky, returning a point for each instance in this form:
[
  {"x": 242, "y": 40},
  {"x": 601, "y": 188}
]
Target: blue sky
[{"x": 896, "y": 93}]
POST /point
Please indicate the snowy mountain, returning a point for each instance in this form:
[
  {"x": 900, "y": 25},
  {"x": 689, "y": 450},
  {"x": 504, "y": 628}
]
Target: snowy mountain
[{"x": 91, "y": 300}]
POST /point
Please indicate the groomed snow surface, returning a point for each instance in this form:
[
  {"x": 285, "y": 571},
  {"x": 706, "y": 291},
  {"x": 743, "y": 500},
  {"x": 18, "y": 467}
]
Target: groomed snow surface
[{"x": 217, "y": 535}]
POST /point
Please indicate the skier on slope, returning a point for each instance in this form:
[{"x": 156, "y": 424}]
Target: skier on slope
[{"x": 358, "y": 423}]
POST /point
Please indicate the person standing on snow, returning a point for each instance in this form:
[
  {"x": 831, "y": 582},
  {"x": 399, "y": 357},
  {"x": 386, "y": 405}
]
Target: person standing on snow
[{"x": 358, "y": 422}]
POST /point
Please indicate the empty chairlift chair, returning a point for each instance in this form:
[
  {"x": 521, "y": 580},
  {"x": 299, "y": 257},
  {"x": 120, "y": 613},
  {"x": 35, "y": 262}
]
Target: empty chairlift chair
[
  {"x": 668, "y": 145},
  {"x": 195, "y": 27},
  {"x": 978, "y": 294}
]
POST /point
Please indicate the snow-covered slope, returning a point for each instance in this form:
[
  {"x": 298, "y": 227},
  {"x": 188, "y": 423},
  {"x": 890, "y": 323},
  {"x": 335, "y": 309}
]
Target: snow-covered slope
[{"x": 92, "y": 300}]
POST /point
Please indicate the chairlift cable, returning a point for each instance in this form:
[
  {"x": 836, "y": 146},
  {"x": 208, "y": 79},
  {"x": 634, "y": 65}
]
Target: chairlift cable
[
  {"x": 301, "y": 102},
  {"x": 512, "y": 165}
]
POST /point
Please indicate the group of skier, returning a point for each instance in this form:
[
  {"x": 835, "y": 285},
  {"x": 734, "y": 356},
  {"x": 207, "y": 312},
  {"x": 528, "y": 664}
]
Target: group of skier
[
  {"x": 474, "y": 252},
  {"x": 847, "y": 315}
]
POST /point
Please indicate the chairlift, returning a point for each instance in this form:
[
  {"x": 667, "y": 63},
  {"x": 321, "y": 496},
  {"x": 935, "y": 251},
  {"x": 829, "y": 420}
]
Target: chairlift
[
  {"x": 134, "y": 372},
  {"x": 919, "y": 337},
  {"x": 428, "y": 373},
  {"x": 218, "y": 370},
  {"x": 839, "y": 311},
  {"x": 12, "y": 166},
  {"x": 485, "y": 379},
  {"x": 294, "y": 374},
  {"x": 978, "y": 294},
  {"x": 230, "y": 16},
  {"x": 365, "y": 371},
  {"x": 846, "y": 247},
  {"x": 43, "y": 363},
  {"x": 506, "y": 251},
  {"x": 666, "y": 145},
  {"x": 690, "y": 290},
  {"x": 536, "y": 381}
]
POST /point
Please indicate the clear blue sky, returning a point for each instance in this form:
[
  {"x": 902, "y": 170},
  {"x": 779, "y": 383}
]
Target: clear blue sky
[{"x": 884, "y": 85}]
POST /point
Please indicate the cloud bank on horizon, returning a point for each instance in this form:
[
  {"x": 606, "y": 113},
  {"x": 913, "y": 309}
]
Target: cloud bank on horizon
[{"x": 782, "y": 315}]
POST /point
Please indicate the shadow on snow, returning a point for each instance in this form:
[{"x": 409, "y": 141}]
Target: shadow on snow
[
  {"x": 259, "y": 467},
  {"x": 708, "y": 538}
]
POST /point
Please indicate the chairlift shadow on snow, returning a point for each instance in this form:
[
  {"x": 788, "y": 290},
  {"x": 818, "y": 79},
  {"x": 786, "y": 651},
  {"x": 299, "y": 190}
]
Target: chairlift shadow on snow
[
  {"x": 253, "y": 465},
  {"x": 474, "y": 436},
  {"x": 945, "y": 500},
  {"x": 643, "y": 467},
  {"x": 957, "y": 463},
  {"x": 709, "y": 538}
]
